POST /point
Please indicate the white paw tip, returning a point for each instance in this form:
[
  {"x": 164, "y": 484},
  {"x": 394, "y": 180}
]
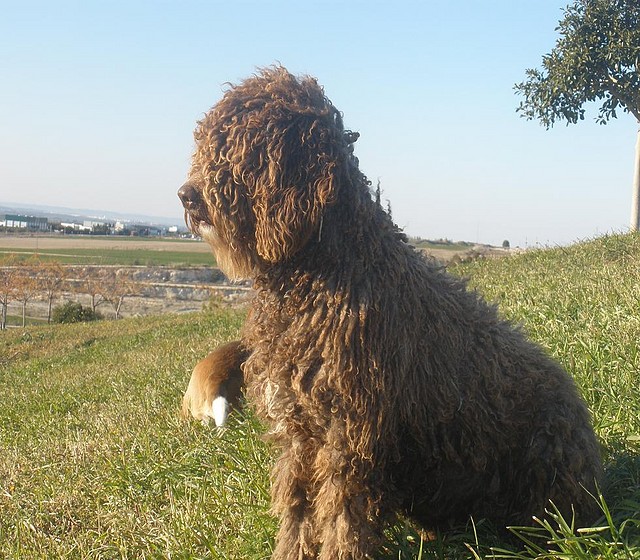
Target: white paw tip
[{"x": 220, "y": 410}]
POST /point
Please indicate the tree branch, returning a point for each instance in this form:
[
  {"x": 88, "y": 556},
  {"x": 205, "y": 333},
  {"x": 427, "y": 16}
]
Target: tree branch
[{"x": 626, "y": 101}]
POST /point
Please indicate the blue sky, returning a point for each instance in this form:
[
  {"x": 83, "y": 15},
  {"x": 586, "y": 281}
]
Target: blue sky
[{"x": 98, "y": 102}]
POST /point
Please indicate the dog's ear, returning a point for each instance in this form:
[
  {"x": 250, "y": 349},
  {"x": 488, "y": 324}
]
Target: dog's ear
[{"x": 298, "y": 182}]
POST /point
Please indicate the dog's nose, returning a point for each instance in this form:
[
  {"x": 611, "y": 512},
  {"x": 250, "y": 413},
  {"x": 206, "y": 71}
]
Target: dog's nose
[{"x": 189, "y": 195}]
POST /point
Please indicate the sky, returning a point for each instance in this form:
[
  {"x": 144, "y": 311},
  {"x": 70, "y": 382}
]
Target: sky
[{"x": 99, "y": 100}]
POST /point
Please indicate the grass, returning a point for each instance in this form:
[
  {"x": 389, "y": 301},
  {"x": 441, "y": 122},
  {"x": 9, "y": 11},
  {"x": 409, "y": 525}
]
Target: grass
[
  {"x": 108, "y": 250},
  {"x": 442, "y": 244},
  {"x": 124, "y": 257},
  {"x": 95, "y": 462},
  {"x": 16, "y": 320}
]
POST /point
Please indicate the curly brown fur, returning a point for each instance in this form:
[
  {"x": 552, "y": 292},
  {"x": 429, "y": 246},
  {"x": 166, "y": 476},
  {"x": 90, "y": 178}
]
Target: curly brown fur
[
  {"x": 389, "y": 387},
  {"x": 216, "y": 384}
]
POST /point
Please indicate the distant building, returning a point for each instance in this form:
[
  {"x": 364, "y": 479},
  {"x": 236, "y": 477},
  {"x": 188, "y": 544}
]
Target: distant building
[
  {"x": 144, "y": 230},
  {"x": 100, "y": 227},
  {"x": 90, "y": 224},
  {"x": 32, "y": 223},
  {"x": 74, "y": 226}
]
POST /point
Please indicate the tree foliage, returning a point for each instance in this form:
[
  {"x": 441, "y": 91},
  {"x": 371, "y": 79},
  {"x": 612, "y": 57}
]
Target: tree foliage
[
  {"x": 596, "y": 59},
  {"x": 73, "y": 312}
]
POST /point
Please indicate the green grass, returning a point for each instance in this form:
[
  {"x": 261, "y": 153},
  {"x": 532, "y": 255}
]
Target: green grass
[
  {"x": 16, "y": 320},
  {"x": 124, "y": 257},
  {"x": 94, "y": 460},
  {"x": 454, "y": 246},
  {"x": 96, "y": 463}
]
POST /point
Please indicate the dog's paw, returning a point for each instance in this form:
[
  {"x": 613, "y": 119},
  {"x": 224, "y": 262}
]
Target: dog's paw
[{"x": 220, "y": 410}]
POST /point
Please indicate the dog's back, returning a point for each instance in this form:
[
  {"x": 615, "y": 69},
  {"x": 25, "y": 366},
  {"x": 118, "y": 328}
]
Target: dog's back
[{"x": 497, "y": 426}]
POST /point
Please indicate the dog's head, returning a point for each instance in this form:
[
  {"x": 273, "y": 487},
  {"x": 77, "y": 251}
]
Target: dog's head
[{"x": 268, "y": 162}]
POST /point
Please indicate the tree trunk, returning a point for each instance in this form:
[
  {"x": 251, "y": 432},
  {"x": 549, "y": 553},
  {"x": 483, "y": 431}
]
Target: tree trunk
[{"x": 635, "y": 200}]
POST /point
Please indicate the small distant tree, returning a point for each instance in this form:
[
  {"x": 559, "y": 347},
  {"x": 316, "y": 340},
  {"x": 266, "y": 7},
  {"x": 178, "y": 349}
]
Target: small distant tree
[
  {"x": 596, "y": 58},
  {"x": 506, "y": 244},
  {"x": 92, "y": 282},
  {"x": 8, "y": 278},
  {"x": 116, "y": 286},
  {"x": 51, "y": 277},
  {"x": 25, "y": 285}
]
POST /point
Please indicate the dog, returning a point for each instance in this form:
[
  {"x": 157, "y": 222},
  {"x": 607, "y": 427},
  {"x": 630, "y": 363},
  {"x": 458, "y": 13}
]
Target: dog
[
  {"x": 216, "y": 384},
  {"x": 388, "y": 386}
]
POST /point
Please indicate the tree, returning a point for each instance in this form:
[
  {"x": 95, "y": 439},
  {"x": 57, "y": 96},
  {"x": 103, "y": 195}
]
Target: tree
[
  {"x": 25, "y": 286},
  {"x": 116, "y": 285},
  {"x": 92, "y": 282},
  {"x": 51, "y": 276},
  {"x": 8, "y": 278},
  {"x": 73, "y": 312},
  {"x": 596, "y": 59}
]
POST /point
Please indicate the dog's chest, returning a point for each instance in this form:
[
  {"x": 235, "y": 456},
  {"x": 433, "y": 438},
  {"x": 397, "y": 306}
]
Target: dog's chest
[{"x": 303, "y": 341}]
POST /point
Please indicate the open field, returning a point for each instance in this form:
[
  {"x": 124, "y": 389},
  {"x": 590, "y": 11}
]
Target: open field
[
  {"x": 70, "y": 242},
  {"x": 96, "y": 464},
  {"x": 158, "y": 264},
  {"x": 110, "y": 250}
]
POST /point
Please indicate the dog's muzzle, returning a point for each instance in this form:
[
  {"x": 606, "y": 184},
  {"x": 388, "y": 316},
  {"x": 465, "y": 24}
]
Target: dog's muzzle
[{"x": 193, "y": 203}]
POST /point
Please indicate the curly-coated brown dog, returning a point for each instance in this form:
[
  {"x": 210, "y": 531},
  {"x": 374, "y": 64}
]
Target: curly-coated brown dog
[{"x": 389, "y": 386}]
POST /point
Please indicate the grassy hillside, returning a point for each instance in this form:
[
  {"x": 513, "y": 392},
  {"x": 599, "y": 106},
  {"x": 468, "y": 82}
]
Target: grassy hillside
[{"x": 95, "y": 462}]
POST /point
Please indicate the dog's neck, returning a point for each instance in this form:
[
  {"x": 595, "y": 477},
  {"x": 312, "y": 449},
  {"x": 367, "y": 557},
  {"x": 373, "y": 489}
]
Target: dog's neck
[{"x": 342, "y": 251}]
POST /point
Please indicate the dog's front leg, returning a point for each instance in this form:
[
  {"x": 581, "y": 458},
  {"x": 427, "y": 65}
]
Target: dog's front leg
[
  {"x": 347, "y": 514},
  {"x": 289, "y": 490}
]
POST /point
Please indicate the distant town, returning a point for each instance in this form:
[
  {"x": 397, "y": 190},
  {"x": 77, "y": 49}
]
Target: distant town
[{"x": 35, "y": 221}]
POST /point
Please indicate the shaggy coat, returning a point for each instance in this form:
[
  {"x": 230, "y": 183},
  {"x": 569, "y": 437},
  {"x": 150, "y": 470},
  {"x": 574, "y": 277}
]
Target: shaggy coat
[
  {"x": 388, "y": 386},
  {"x": 216, "y": 384}
]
